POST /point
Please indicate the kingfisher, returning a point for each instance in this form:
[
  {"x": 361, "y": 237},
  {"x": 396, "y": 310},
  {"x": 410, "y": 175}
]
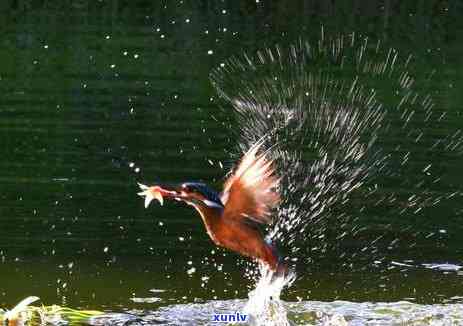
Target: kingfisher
[{"x": 234, "y": 217}]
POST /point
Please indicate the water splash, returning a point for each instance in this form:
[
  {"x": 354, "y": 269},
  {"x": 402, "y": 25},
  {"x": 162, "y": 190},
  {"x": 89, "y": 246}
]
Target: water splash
[
  {"x": 308, "y": 115},
  {"x": 330, "y": 111},
  {"x": 264, "y": 306},
  {"x": 336, "y": 313},
  {"x": 344, "y": 119}
]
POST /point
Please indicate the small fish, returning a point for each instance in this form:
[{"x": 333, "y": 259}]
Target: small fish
[{"x": 151, "y": 193}]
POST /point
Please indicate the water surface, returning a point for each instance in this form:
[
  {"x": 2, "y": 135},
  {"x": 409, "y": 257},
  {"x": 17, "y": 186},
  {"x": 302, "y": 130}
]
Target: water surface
[{"x": 87, "y": 88}]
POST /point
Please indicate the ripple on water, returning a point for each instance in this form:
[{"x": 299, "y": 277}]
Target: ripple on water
[{"x": 299, "y": 313}]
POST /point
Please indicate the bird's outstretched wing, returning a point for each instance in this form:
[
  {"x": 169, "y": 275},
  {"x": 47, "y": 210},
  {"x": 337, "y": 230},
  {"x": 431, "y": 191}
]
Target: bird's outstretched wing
[{"x": 251, "y": 191}]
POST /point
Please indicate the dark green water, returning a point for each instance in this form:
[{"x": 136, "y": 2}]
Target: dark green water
[{"x": 88, "y": 87}]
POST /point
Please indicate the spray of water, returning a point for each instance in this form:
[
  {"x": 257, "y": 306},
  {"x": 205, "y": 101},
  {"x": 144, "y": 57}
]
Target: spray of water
[
  {"x": 264, "y": 306},
  {"x": 326, "y": 109}
]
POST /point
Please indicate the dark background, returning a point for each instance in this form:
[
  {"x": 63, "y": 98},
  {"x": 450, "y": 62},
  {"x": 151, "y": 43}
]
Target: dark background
[{"x": 89, "y": 86}]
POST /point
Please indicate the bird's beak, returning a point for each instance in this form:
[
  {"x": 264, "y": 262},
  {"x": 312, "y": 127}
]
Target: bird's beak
[{"x": 154, "y": 192}]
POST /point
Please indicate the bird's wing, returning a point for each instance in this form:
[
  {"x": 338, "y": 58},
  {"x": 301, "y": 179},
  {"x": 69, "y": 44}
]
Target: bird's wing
[{"x": 250, "y": 192}]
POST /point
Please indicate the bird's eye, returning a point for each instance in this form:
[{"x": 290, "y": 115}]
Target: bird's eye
[{"x": 188, "y": 188}]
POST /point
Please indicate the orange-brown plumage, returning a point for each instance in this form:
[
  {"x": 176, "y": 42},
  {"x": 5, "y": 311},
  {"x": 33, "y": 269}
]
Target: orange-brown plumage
[
  {"x": 231, "y": 218},
  {"x": 250, "y": 192}
]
